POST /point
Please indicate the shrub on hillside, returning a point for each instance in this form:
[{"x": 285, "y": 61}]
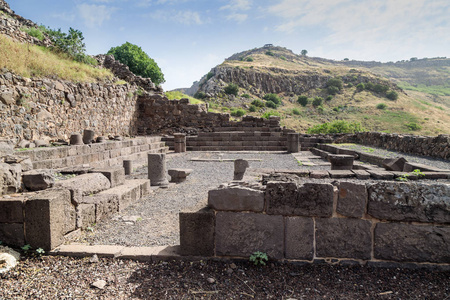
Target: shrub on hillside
[
  {"x": 392, "y": 95},
  {"x": 271, "y": 104},
  {"x": 209, "y": 76},
  {"x": 268, "y": 114},
  {"x": 258, "y": 103},
  {"x": 237, "y": 112},
  {"x": 272, "y": 97},
  {"x": 245, "y": 96},
  {"x": 329, "y": 98},
  {"x": 332, "y": 90},
  {"x": 317, "y": 101},
  {"x": 413, "y": 126},
  {"x": 270, "y": 53},
  {"x": 231, "y": 89},
  {"x": 200, "y": 95},
  {"x": 296, "y": 111},
  {"x": 381, "y": 106},
  {"x": 252, "y": 108},
  {"x": 339, "y": 126},
  {"x": 336, "y": 82},
  {"x": 302, "y": 100},
  {"x": 380, "y": 88},
  {"x": 138, "y": 61},
  {"x": 360, "y": 87},
  {"x": 249, "y": 59},
  {"x": 35, "y": 32}
]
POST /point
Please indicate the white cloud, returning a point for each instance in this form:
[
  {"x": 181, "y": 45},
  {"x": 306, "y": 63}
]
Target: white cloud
[
  {"x": 368, "y": 25},
  {"x": 237, "y": 17},
  {"x": 186, "y": 17},
  {"x": 236, "y": 5},
  {"x": 94, "y": 15}
]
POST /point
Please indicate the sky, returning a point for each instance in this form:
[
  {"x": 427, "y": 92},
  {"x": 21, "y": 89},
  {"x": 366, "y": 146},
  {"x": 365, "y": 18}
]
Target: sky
[{"x": 187, "y": 38}]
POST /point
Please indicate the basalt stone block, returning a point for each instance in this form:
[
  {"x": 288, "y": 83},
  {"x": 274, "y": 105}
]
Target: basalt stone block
[
  {"x": 343, "y": 238},
  {"x": 394, "y": 164},
  {"x": 319, "y": 174},
  {"x": 299, "y": 238},
  {"x": 341, "y": 173},
  {"x": 309, "y": 199},
  {"x": 11, "y": 210},
  {"x": 413, "y": 243},
  {"x": 197, "y": 233},
  {"x": 116, "y": 175},
  {"x": 85, "y": 215},
  {"x": 352, "y": 199},
  {"x": 105, "y": 205},
  {"x": 36, "y": 180},
  {"x": 361, "y": 174},
  {"x": 12, "y": 234},
  {"x": 241, "y": 234},
  {"x": 84, "y": 185},
  {"x": 410, "y": 201},
  {"x": 49, "y": 215},
  {"x": 236, "y": 198}
]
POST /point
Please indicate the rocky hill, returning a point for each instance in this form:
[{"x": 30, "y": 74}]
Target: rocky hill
[{"x": 361, "y": 97}]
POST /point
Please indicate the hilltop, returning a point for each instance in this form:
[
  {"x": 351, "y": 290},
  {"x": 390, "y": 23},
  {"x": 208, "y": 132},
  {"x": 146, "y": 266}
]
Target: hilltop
[{"x": 362, "y": 93}]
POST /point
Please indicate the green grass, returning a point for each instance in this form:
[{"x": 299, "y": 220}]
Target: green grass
[
  {"x": 176, "y": 95},
  {"x": 393, "y": 121},
  {"x": 436, "y": 90},
  {"x": 34, "y": 61}
]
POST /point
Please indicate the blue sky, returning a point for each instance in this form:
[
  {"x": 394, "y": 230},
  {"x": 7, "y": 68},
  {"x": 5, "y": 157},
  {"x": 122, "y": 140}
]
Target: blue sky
[{"x": 189, "y": 37}]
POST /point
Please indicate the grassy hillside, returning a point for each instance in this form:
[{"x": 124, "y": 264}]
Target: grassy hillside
[
  {"x": 35, "y": 61},
  {"x": 409, "y": 113}
]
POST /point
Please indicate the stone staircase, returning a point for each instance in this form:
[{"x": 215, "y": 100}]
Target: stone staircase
[{"x": 236, "y": 139}]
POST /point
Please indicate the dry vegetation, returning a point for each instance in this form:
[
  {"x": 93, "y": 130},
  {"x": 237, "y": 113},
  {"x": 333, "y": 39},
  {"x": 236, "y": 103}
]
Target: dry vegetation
[{"x": 34, "y": 61}]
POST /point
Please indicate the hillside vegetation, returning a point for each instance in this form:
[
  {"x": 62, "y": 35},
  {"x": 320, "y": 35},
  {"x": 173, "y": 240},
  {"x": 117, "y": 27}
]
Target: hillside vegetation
[
  {"x": 314, "y": 91},
  {"x": 35, "y": 61}
]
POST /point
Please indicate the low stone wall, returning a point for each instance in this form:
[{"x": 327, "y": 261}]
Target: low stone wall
[
  {"x": 347, "y": 222},
  {"x": 105, "y": 154},
  {"x": 419, "y": 145}
]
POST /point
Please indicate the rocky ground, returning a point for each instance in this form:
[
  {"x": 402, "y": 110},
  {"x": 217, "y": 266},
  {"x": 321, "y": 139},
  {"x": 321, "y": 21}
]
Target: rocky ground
[
  {"x": 154, "y": 221},
  {"x": 70, "y": 278}
]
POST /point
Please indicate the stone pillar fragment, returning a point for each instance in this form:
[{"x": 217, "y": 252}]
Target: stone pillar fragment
[
  {"x": 157, "y": 169},
  {"x": 292, "y": 143},
  {"x": 128, "y": 166},
  {"x": 88, "y": 136},
  {"x": 179, "y": 140},
  {"x": 240, "y": 165},
  {"x": 76, "y": 139}
]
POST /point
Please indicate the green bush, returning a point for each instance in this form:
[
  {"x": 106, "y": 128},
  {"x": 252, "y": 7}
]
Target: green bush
[
  {"x": 320, "y": 109},
  {"x": 268, "y": 114},
  {"x": 252, "y": 108},
  {"x": 369, "y": 86},
  {"x": 209, "y": 76},
  {"x": 296, "y": 111},
  {"x": 317, "y": 101},
  {"x": 231, "y": 89},
  {"x": 237, "y": 112},
  {"x": 282, "y": 57},
  {"x": 271, "y": 104},
  {"x": 336, "y": 82},
  {"x": 270, "y": 53},
  {"x": 360, "y": 86},
  {"x": 245, "y": 96},
  {"x": 380, "y": 89},
  {"x": 138, "y": 61},
  {"x": 329, "y": 98},
  {"x": 381, "y": 106},
  {"x": 413, "y": 126},
  {"x": 200, "y": 95},
  {"x": 392, "y": 95},
  {"x": 332, "y": 90},
  {"x": 302, "y": 100},
  {"x": 34, "y": 32},
  {"x": 339, "y": 126},
  {"x": 258, "y": 103},
  {"x": 249, "y": 59},
  {"x": 272, "y": 97}
]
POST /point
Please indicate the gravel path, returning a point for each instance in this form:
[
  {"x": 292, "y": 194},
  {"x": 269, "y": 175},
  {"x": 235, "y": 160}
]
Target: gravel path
[{"x": 153, "y": 221}]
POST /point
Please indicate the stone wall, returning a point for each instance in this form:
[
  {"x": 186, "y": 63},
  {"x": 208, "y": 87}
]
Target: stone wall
[
  {"x": 419, "y": 145},
  {"x": 348, "y": 222}
]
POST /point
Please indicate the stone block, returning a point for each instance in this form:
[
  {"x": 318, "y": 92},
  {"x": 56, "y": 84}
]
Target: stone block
[
  {"x": 179, "y": 175},
  {"x": 105, "y": 205},
  {"x": 394, "y": 164},
  {"x": 236, "y": 198},
  {"x": 343, "y": 238},
  {"x": 310, "y": 199},
  {"x": 11, "y": 210},
  {"x": 36, "y": 180},
  {"x": 410, "y": 201},
  {"x": 84, "y": 185},
  {"x": 197, "y": 233},
  {"x": 319, "y": 174},
  {"x": 299, "y": 238},
  {"x": 12, "y": 234},
  {"x": 361, "y": 174},
  {"x": 241, "y": 234},
  {"x": 341, "y": 173},
  {"x": 412, "y": 243},
  {"x": 49, "y": 215},
  {"x": 127, "y": 193},
  {"x": 378, "y": 174},
  {"x": 115, "y": 175},
  {"x": 85, "y": 215},
  {"x": 352, "y": 199},
  {"x": 411, "y": 166}
]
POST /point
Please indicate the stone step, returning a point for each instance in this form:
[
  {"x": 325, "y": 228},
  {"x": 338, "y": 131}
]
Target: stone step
[
  {"x": 236, "y": 148},
  {"x": 131, "y": 191}
]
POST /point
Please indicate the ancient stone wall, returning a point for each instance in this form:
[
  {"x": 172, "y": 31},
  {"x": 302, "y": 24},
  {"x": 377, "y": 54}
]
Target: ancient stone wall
[
  {"x": 419, "y": 145},
  {"x": 349, "y": 222}
]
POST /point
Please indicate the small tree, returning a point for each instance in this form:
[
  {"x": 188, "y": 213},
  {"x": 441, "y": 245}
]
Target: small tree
[
  {"x": 317, "y": 101},
  {"x": 392, "y": 95},
  {"x": 304, "y": 52},
  {"x": 302, "y": 100},
  {"x": 272, "y": 97},
  {"x": 360, "y": 87},
  {"x": 232, "y": 89},
  {"x": 138, "y": 61}
]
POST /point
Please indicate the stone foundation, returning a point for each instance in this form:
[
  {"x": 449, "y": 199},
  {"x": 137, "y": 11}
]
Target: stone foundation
[{"x": 381, "y": 222}]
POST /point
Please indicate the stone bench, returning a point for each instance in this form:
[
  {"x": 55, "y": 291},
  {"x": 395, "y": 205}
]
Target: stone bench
[{"x": 179, "y": 175}]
